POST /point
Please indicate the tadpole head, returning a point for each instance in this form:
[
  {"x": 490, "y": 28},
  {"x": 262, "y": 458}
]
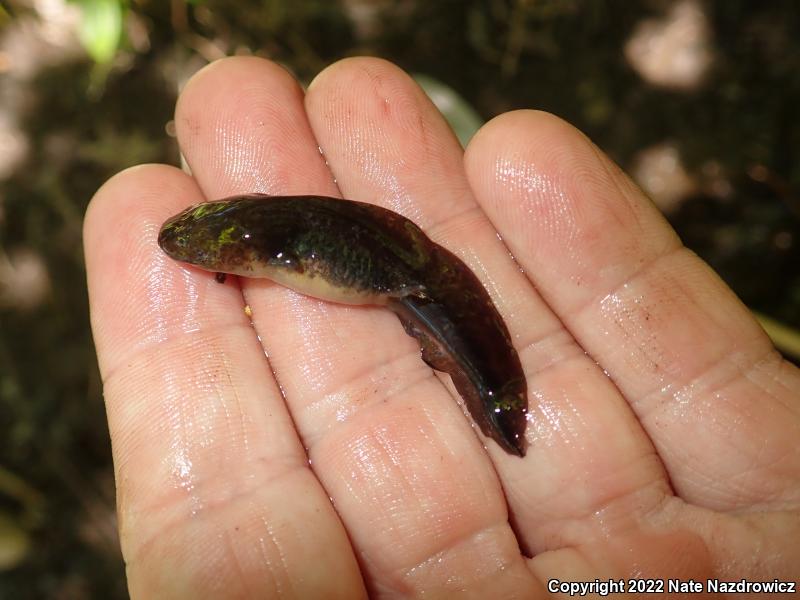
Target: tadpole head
[{"x": 202, "y": 235}]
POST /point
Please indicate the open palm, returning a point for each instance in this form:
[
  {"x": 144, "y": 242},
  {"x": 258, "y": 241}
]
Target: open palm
[{"x": 312, "y": 453}]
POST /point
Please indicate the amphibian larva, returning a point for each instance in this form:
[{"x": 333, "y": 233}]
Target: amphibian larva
[{"x": 357, "y": 253}]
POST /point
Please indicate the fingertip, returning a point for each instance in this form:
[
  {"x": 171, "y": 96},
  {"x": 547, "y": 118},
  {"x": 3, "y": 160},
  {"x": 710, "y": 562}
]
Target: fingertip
[
  {"x": 127, "y": 193},
  {"x": 226, "y": 76},
  {"x": 120, "y": 229},
  {"x": 349, "y": 68},
  {"x": 525, "y": 142},
  {"x": 524, "y": 121},
  {"x": 242, "y": 128},
  {"x": 363, "y": 92}
]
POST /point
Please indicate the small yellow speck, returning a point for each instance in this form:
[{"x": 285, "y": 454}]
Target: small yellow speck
[{"x": 248, "y": 311}]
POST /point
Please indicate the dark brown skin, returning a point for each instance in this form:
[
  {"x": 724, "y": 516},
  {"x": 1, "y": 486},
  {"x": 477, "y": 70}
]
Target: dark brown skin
[{"x": 359, "y": 253}]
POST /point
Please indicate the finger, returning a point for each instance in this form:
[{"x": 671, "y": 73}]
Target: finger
[
  {"x": 420, "y": 504},
  {"x": 242, "y": 128},
  {"x": 385, "y": 141},
  {"x": 214, "y": 494},
  {"x": 712, "y": 393}
]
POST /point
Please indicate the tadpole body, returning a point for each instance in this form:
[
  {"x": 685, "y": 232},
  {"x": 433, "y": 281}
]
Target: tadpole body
[{"x": 356, "y": 253}]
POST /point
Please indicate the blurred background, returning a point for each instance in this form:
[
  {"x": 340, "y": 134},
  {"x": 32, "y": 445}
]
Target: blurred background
[{"x": 699, "y": 100}]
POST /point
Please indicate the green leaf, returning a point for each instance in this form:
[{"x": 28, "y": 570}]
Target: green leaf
[{"x": 100, "y": 28}]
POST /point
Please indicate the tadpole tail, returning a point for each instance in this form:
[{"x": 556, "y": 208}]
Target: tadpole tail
[{"x": 463, "y": 335}]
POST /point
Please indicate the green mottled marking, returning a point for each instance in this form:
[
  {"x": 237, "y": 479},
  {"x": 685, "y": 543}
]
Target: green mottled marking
[
  {"x": 508, "y": 403},
  {"x": 226, "y": 235},
  {"x": 208, "y": 208}
]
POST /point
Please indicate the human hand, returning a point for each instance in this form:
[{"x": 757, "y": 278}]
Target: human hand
[{"x": 663, "y": 427}]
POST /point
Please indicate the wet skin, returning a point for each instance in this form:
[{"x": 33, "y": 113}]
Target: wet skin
[{"x": 356, "y": 253}]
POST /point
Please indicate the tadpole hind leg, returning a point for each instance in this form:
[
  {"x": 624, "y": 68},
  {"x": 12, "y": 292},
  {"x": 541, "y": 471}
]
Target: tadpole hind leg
[{"x": 432, "y": 352}]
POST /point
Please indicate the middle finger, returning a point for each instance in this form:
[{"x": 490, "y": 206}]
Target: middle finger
[{"x": 385, "y": 142}]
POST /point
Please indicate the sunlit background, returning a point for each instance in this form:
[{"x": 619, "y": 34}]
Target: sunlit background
[{"x": 700, "y": 101}]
